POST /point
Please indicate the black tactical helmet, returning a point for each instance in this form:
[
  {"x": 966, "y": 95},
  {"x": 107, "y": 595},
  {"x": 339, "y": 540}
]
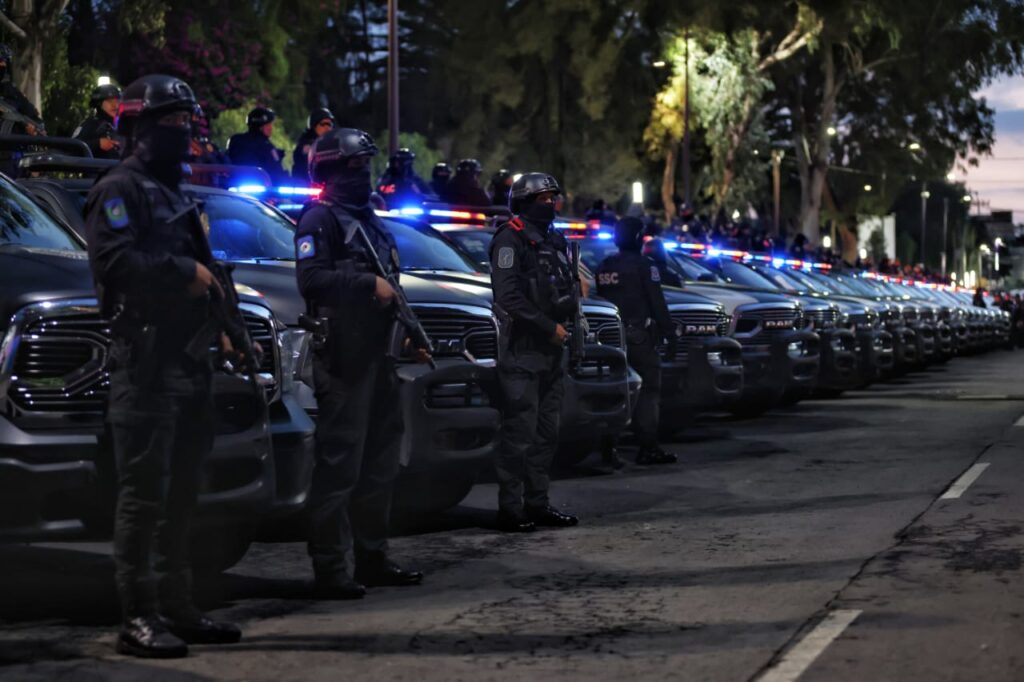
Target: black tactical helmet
[
  {"x": 102, "y": 93},
  {"x": 469, "y": 167},
  {"x": 338, "y": 144},
  {"x": 501, "y": 176},
  {"x": 403, "y": 158},
  {"x": 528, "y": 186},
  {"x": 153, "y": 95},
  {"x": 629, "y": 233},
  {"x": 441, "y": 170},
  {"x": 318, "y": 115},
  {"x": 259, "y": 117}
]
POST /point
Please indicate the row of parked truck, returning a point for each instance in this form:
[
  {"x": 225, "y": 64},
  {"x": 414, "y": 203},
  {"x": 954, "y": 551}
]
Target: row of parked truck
[{"x": 757, "y": 332}]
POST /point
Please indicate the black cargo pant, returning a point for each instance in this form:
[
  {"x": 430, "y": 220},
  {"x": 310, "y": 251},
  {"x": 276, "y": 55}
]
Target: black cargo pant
[
  {"x": 163, "y": 429},
  {"x": 644, "y": 358},
  {"x": 358, "y": 440},
  {"x": 532, "y": 387}
]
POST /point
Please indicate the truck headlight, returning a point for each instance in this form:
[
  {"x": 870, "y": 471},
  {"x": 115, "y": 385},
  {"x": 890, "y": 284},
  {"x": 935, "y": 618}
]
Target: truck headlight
[{"x": 294, "y": 347}]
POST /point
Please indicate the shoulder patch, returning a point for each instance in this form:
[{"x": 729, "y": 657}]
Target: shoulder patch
[
  {"x": 506, "y": 257},
  {"x": 655, "y": 275},
  {"x": 117, "y": 213},
  {"x": 305, "y": 247}
]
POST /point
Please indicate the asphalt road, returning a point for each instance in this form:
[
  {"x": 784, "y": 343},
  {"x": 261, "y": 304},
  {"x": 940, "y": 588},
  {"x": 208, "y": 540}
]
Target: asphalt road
[{"x": 835, "y": 540}]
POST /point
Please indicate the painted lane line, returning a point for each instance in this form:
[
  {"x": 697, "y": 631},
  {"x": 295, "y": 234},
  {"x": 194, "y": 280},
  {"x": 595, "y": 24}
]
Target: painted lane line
[
  {"x": 961, "y": 484},
  {"x": 1019, "y": 422},
  {"x": 798, "y": 659}
]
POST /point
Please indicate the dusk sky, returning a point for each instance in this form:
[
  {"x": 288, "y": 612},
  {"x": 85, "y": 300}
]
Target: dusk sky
[{"x": 999, "y": 179}]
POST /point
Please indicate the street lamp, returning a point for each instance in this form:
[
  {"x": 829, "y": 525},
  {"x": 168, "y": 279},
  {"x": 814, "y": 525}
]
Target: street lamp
[
  {"x": 867, "y": 188},
  {"x": 660, "y": 64},
  {"x": 831, "y": 130},
  {"x": 951, "y": 176},
  {"x": 914, "y": 146},
  {"x": 103, "y": 80},
  {"x": 826, "y": 242},
  {"x": 638, "y": 192},
  {"x": 924, "y": 213}
]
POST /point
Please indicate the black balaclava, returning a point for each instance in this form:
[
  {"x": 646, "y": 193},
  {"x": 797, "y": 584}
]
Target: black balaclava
[
  {"x": 539, "y": 214},
  {"x": 349, "y": 186},
  {"x": 162, "y": 148},
  {"x": 628, "y": 234}
]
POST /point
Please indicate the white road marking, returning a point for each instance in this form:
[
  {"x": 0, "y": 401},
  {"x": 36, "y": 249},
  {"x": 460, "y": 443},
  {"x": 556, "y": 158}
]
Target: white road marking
[
  {"x": 798, "y": 659},
  {"x": 961, "y": 484},
  {"x": 1019, "y": 422}
]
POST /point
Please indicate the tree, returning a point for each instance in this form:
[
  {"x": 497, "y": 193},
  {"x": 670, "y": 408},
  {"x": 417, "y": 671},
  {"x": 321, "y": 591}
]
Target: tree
[
  {"x": 895, "y": 76},
  {"x": 33, "y": 24}
]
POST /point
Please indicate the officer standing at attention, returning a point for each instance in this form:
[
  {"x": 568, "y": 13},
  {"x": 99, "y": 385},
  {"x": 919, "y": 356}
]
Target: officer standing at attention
[
  {"x": 253, "y": 148},
  {"x": 359, "y": 426},
  {"x": 149, "y": 258},
  {"x": 532, "y": 284},
  {"x": 632, "y": 282},
  {"x": 97, "y": 131},
  {"x": 318, "y": 123}
]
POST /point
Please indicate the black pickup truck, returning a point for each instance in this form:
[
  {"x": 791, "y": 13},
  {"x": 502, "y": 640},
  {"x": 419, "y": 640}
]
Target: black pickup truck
[
  {"x": 56, "y": 462},
  {"x": 451, "y": 424}
]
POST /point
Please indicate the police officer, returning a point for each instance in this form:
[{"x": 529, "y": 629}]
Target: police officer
[
  {"x": 501, "y": 183},
  {"x": 464, "y": 189},
  {"x": 25, "y": 119},
  {"x": 632, "y": 282},
  {"x": 359, "y": 425},
  {"x": 253, "y": 148},
  {"x": 532, "y": 285},
  {"x": 149, "y": 258},
  {"x": 319, "y": 122},
  {"x": 97, "y": 131},
  {"x": 204, "y": 150},
  {"x": 399, "y": 184},
  {"x": 439, "y": 179}
]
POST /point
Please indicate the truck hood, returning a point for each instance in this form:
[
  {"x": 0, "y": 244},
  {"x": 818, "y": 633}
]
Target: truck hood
[{"x": 36, "y": 275}]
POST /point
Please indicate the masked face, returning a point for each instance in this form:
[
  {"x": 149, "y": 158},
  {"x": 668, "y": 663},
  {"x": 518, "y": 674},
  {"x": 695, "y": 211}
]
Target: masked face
[
  {"x": 350, "y": 185},
  {"x": 164, "y": 140},
  {"x": 541, "y": 211}
]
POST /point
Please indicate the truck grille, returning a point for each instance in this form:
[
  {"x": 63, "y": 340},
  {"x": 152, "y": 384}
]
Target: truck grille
[
  {"x": 453, "y": 331},
  {"x": 909, "y": 314},
  {"x": 824, "y": 319},
  {"x": 696, "y": 325},
  {"x": 59, "y": 363},
  {"x": 758, "y": 327},
  {"x": 58, "y": 366},
  {"x": 606, "y": 329}
]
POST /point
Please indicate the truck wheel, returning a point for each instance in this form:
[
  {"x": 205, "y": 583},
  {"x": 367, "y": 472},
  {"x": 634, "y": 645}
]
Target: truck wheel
[
  {"x": 432, "y": 492},
  {"x": 574, "y": 452},
  {"x": 755, "y": 402},
  {"x": 216, "y": 547}
]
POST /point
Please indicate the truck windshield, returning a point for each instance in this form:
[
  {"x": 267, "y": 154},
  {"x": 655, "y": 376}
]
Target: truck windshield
[
  {"x": 737, "y": 273},
  {"x": 424, "y": 248},
  {"x": 23, "y": 223},
  {"x": 244, "y": 229}
]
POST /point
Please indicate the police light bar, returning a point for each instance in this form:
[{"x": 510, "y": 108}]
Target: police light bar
[
  {"x": 461, "y": 215},
  {"x": 290, "y": 207},
  {"x": 407, "y": 211},
  {"x": 692, "y": 247},
  {"x": 567, "y": 225},
  {"x": 300, "y": 191},
  {"x": 604, "y": 235},
  {"x": 248, "y": 189}
]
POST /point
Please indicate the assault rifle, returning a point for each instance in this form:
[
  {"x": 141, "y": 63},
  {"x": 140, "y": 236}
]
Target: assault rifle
[
  {"x": 10, "y": 117},
  {"x": 580, "y": 327},
  {"x": 226, "y": 318},
  {"x": 405, "y": 324}
]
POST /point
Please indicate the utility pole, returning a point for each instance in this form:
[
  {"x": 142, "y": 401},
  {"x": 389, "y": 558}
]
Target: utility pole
[
  {"x": 924, "y": 216},
  {"x": 392, "y": 77},
  {"x": 776, "y": 188},
  {"x": 945, "y": 227}
]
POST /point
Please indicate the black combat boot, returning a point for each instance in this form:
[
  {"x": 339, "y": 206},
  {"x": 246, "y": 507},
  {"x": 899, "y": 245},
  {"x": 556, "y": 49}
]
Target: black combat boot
[{"x": 148, "y": 637}]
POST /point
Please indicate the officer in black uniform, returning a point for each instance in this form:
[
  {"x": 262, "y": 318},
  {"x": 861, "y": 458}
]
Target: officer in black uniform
[
  {"x": 399, "y": 183},
  {"x": 501, "y": 183},
  {"x": 532, "y": 284},
  {"x": 149, "y": 254},
  {"x": 464, "y": 189},
  {"x": 319, "y": 122},
  {"x": 253, "y": 148},
  {"x": 359, "y": 425},
  {"x": 631, "y": 281},
  {"x": 97, "y": 131},
  {"x": 439, "y": 179}
]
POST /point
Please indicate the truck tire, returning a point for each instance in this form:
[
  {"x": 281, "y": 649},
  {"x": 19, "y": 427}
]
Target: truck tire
[
  {"x": 216, "y": 547},
  {"x": 432, "y": 491}
]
